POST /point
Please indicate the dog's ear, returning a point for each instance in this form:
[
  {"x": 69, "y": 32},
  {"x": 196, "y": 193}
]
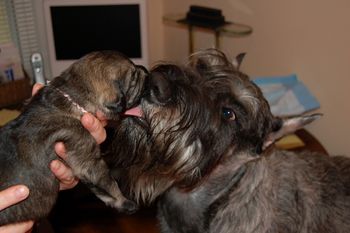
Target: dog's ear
[
  {"x": 207, "y": 58},
  {"x": 238, "y": 60},
  {"x": 282, "y": 127}
]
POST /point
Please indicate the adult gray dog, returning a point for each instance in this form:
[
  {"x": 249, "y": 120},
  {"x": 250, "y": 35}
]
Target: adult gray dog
[
  {"x": 197, "y": 143},
  {"x": 103, "y": 81}
]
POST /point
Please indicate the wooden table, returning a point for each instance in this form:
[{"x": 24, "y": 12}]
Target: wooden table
[
  {"x": 230, "y": 29},
  {"x": 311, "y": 143}
]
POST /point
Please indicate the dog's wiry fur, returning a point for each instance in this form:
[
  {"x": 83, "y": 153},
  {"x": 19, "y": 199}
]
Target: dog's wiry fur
[
  {"x": 103, "y": 81},
  {"x": 200, "y": 147}
]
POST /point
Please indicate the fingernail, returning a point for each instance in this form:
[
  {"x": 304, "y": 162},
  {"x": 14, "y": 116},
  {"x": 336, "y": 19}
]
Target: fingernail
[
  {"x": 88, "y": 119},
  {"x": 55, "y": 165},
  {"x": 21, "y": 192}
]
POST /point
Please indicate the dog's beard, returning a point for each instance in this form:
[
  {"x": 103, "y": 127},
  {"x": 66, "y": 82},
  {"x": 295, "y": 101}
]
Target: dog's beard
[
  {"x": 154, "y": 158},
  {"x": 161, "y": 148}
]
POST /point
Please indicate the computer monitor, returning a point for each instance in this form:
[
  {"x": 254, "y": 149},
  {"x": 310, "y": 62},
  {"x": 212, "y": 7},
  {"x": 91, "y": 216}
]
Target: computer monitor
[{"x": 77, "y": 27}]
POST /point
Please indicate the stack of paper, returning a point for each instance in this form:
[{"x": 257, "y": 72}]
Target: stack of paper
[{"x": 287, "y": 95}]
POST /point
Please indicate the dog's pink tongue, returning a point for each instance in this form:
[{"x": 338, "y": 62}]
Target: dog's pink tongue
[{"x": 137, "y": 111}]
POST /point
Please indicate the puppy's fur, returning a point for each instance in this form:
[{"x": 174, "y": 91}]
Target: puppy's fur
[
  {"x": 199, "y": 147},
  {"x": 101, "y": 81}
]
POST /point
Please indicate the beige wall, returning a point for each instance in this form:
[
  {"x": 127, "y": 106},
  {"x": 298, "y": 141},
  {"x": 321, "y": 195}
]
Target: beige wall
[
  {"x": 156, "y": 30},
  {"x": 309, "y": 38}
]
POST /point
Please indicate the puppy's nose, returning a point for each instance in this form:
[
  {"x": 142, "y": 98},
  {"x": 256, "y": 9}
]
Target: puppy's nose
[
  {"x": 160, "y": 87},
  {"x": 118, "y": 106}
]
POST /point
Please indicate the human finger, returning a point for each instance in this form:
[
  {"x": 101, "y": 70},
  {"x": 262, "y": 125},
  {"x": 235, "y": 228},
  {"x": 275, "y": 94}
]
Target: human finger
[
  {"x": 63, "y": 173},
  {"x": 36, "y": 88},
  {"x": 60, "y": 150},
  {"x": 102, "y": 118},
  {"x": 21, "y": 227},
  {"x": 13, "y": 195},
  {"x": 94, "y": 126}
]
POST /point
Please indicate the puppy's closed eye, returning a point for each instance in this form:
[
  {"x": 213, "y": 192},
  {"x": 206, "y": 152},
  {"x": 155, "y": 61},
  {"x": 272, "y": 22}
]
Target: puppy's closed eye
[{"x": 117, "y": 107}]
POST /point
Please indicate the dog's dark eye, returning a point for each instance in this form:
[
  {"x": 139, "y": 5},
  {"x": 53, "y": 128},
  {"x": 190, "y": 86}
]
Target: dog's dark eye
[{"x": 228, "y": 114}]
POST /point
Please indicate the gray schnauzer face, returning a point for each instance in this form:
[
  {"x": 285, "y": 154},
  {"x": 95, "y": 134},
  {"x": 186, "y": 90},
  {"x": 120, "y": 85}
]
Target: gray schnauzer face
[
  {"x": 209, "y": 107},
  {"x": 191, "y": 118}
]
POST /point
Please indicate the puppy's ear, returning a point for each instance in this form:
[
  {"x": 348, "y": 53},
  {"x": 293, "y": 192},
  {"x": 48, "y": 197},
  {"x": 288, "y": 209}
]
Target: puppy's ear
[
  {"x": 282, "y": 127},
  {"x": 238, "y": 60}
]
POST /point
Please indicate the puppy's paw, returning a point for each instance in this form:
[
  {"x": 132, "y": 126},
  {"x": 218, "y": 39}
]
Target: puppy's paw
[
  {"x": 128, "y": 207},
  {"x": 122, "y": 204}
]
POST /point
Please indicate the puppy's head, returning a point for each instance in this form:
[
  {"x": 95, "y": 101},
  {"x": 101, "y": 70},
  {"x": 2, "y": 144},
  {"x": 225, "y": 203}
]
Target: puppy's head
[{"x": 105, "y": 80}]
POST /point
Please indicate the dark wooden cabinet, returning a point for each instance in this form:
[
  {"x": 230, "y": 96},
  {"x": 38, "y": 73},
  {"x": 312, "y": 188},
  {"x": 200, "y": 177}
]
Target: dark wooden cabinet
[{"x": 15, "y": 92}]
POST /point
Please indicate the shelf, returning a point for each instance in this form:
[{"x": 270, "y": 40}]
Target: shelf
[{"x": 230, "y": 29}]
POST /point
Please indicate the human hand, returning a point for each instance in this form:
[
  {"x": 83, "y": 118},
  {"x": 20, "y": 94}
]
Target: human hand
[
  {"x": 95, "y": 125},
  {"x": 61, "y": 171},
  {"x": 18, "y": 193},
  {"x": 10, "y": 197}
]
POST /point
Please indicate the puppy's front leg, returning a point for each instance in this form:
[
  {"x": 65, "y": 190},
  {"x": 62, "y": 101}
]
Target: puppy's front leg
[
  {"x": 107, "y": 189},
  {"x": 87, "y": 164}
]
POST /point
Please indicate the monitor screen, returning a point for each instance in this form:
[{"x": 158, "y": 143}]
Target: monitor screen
[
  {"x": 77, "y": 27},
  {"x": 78, "y": 30}
]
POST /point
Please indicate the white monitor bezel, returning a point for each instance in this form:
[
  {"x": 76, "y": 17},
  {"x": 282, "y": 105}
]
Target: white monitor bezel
[{"x": 57, "y": 66}]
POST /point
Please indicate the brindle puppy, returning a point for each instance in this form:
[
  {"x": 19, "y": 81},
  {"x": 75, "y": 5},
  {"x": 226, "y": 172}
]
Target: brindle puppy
[
  {"x": 197, "y": 144},
  {"x": 101, "y": 81}
]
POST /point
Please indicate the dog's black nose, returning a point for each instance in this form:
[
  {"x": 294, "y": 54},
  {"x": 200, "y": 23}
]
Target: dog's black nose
[{"x": 160, "y": 87}]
